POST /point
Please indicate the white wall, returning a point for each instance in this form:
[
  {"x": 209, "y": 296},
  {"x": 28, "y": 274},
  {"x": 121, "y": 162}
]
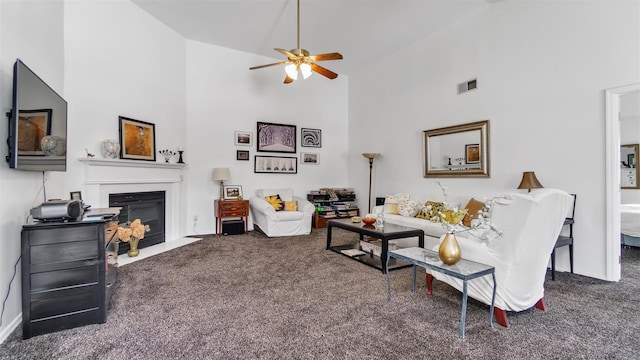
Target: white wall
[
  {"x": 541, "y": 68},
  {"x": 40, "y": 46},
  {"x": 224, "y": 96},
  {"x": 120, "y": 61}
]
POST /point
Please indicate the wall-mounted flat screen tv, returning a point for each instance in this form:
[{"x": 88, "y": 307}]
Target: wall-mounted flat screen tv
[{"x": 37, "y": 124}]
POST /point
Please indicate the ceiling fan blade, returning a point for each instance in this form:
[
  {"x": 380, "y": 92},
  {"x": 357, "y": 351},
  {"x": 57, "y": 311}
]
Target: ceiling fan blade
[
  {"x": 324, "y": 57},
  {"x": 288, "y": 80},
  {"x": 286, "y": 53},
  {"x": 267, "y": 65},
  {"x": 323, "y": 71}
]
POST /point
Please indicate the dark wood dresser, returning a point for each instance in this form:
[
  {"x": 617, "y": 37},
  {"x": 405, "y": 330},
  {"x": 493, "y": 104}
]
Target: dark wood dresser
[
  {"x": 231, "y": 209},
  {"x": 68, "y": 272}
]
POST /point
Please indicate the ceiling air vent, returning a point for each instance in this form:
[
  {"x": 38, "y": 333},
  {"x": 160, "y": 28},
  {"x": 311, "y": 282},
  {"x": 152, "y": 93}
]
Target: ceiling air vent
[{"x": 467, "y": 85}]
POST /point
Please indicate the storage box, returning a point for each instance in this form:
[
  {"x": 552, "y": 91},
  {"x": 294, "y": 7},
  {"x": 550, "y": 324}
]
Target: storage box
[{"x": 233, "y": 227}]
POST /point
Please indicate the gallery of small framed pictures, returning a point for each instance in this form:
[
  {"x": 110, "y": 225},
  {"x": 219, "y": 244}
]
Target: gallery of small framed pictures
[{"x": 278, "y": 138}]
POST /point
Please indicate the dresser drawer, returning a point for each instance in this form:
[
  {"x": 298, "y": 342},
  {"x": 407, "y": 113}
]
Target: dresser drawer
[
  {"x": 233, "y": 208},
  {"x": 64, "y": 302},
  {"x": 64, "y": 252},
  {"x": 234, "y": 213}
]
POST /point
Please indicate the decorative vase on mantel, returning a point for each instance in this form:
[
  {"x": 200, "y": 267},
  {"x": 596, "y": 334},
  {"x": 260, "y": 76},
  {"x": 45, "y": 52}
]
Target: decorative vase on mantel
[
  {"x": 110, "y": 149},
  {"x": 133, "y": 247},
  {"x": 449, "y": 251}
]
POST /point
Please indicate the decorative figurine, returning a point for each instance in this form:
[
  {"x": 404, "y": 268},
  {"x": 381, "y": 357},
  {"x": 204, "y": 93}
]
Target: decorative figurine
[{"x": 168, "y": 154}]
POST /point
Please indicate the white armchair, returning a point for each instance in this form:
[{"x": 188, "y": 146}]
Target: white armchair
[
  {"x": 531, "y": 224},
  {"x": 281, "y": 223}
]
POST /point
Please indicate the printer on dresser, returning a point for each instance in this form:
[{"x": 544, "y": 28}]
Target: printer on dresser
[{"x": 68, "y": 272}]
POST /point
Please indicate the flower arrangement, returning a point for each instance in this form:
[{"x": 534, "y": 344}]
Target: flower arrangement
[
  {"x": 481, "y": 226},
  {"x": 132, "y": 232},
  {"x": 451, "y": 218}
]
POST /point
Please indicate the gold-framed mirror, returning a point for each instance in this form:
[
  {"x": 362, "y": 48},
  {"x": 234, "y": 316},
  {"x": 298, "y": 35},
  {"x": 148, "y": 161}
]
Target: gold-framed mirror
[
  {"x": 457, "y": 151},
  {"x": 629, "y": 171}
]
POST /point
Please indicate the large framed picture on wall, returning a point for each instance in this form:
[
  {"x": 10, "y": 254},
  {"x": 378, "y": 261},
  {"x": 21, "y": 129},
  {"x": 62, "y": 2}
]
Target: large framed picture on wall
[{"x": 280, "y": 138}]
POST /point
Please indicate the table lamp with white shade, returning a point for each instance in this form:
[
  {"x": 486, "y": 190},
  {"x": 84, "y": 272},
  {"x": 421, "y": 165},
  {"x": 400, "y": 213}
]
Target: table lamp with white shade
[{"x": 222, "y": 175}]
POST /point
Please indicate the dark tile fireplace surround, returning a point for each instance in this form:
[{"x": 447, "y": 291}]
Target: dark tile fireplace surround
[{"x": 149, "y": 207}]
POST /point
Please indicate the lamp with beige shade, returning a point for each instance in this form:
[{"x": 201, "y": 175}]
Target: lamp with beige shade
[{"x": 222, "y": 175}]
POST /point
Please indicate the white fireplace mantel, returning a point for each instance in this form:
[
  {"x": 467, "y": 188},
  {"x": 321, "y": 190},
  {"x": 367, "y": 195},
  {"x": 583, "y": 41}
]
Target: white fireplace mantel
[
  {"x": 109, "y": 176},
  {"x": 130, "y": 163}
]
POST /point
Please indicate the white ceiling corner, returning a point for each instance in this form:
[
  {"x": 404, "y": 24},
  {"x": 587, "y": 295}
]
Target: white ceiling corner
[{"x": 361, "y": 30}]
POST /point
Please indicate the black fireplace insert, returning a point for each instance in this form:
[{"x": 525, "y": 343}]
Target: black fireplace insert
[{"x": 149, "y": 207}]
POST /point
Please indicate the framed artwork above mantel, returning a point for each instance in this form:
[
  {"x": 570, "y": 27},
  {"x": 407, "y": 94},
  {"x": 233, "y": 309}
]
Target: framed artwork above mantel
[{"x": 137, "y": 139}]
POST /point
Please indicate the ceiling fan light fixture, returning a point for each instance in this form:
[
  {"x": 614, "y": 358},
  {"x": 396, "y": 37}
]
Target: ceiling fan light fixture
[
  {"x": 305, "y": 69},
  {"x": 299, "y": 59},
  {"x": 291, "y": 70}
]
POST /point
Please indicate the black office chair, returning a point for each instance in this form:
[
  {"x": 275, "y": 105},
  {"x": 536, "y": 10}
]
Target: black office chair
[{"x": 564, "y": 241}]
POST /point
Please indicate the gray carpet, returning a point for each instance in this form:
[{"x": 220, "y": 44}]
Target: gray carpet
[{"x": 248, "y": 297}]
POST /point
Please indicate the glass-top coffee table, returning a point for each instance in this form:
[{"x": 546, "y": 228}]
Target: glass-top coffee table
[
  {"x": 385, "y": 233},
  {"x": 464, "y": 270}
]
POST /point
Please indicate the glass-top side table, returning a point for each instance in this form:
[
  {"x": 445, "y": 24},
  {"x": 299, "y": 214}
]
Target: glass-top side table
[{"x": 464, "y": 270}]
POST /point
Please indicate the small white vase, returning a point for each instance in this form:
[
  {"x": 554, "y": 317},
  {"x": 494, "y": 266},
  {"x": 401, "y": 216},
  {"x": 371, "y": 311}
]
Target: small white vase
[{"x": 110, "y": 149}]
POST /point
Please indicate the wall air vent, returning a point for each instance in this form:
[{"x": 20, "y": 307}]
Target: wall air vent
[{"x": 467, "y": 85}]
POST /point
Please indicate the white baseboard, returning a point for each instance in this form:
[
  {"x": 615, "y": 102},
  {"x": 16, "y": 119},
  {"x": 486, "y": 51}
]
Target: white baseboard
[
  {"x": 9, "y": 329},
  {"x": 124, "y": 259}
]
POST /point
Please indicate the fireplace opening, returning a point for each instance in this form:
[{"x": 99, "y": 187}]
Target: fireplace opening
[{"x": 146, "y": 206}]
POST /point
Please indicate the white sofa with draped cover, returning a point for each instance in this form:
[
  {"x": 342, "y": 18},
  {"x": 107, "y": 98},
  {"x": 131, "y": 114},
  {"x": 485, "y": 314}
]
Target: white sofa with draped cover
[{"x": 531, "y": 224}]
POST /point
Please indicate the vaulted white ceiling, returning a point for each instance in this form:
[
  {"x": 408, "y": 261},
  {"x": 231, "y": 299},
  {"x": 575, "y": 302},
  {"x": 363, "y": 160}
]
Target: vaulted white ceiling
[{"x": 361, "y": 30}]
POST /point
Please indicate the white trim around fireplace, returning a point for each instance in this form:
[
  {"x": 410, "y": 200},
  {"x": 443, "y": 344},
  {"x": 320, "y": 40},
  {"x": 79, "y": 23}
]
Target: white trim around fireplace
[{"x": 109, "y": 176}]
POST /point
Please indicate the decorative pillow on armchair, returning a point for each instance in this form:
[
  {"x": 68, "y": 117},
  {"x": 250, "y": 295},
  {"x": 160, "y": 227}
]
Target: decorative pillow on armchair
[
  {"x": 290, "y": 206},
  {"x": 275, "y": 201}
]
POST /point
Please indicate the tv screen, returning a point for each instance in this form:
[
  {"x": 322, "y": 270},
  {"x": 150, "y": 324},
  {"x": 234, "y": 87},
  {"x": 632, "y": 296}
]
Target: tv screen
[{"x": 37, "y": 125}]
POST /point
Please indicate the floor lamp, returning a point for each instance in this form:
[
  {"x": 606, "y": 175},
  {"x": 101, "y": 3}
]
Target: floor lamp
[{"x": 370, "y": 156}]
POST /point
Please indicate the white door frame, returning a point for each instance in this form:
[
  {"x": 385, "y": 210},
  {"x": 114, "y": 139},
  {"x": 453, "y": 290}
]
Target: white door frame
[{"x": 612, "y": 183}]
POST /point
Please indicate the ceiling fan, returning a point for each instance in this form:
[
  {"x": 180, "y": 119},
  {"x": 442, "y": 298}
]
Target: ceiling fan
[{"x": 299, "y": 59}]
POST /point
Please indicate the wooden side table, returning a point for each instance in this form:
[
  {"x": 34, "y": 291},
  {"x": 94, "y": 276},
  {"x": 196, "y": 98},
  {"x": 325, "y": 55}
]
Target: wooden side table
[{"x": 231, "y": 209}]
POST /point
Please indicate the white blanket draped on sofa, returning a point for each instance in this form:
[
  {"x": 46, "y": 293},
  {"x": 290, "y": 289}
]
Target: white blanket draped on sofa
[{"x": 531, "y": 224}]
